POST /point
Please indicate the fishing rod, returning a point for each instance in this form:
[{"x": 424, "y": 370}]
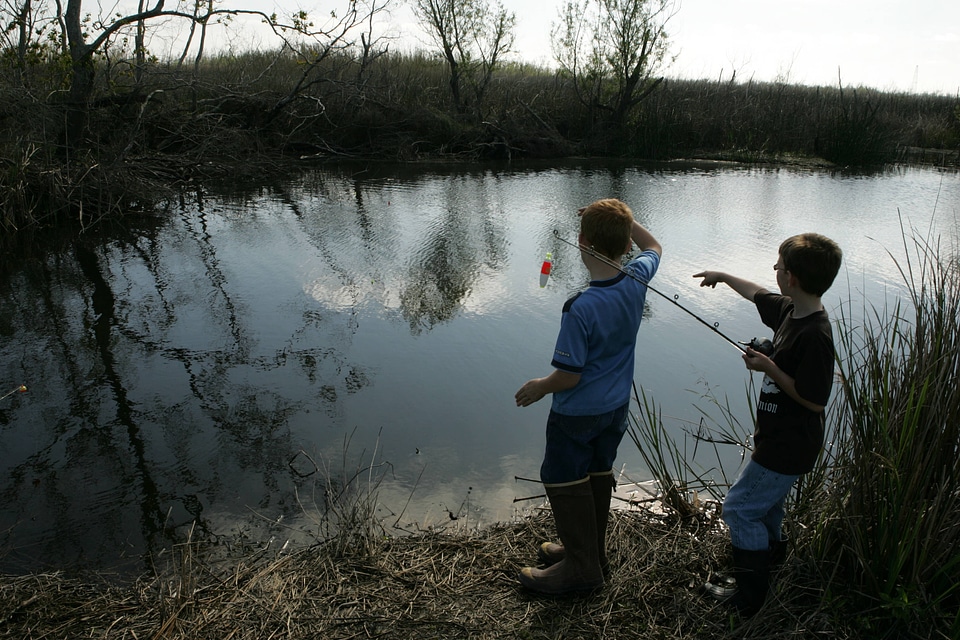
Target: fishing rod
[{"x": 756, "y": 343}]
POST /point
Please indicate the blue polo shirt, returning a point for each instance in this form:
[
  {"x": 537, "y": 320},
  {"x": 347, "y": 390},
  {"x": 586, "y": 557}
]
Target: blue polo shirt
[{"x": 598, "y": 338}]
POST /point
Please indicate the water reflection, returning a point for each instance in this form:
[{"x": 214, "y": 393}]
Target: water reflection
[
  {"x": 175, "y": 369},
  {"x": 460, "y": 243}
]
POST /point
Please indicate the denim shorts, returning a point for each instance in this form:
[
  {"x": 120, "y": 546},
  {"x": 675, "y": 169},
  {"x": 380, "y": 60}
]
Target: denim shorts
[
  {"x": 753, "y": 508},
  {"x": 580, "y": 445}
]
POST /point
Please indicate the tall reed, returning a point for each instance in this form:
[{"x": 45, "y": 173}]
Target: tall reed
[
  {"x": 889, "y": 525},
  {"x": 664, "y": 458},
  {"x": 171, "y": 127},
  {"x": 689, "y": 486},
  {"x": 342, "y": 502}
]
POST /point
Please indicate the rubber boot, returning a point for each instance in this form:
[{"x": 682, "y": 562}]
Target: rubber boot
[
  {"x": 601, "y": 484},
  {"x": 778, "y": 551},
  {"x": 751, "y": 570},
  {"x": 573, "y": 511}
]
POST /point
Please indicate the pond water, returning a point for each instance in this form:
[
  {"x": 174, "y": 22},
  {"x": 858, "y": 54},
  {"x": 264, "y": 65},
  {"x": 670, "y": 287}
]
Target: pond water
[{"x": 197, "y": 370}]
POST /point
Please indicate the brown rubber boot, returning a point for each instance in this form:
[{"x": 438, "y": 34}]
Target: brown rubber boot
[
  {"x": 573, "y": 511},
  {"x": 601, "y": 484}
]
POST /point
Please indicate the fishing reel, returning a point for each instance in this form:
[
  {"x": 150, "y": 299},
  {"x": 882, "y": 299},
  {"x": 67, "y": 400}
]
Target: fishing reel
[{"x": 761, "y": 345}]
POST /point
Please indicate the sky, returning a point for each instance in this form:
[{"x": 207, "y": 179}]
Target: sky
[
  {"x": 911, "y": 45},
  {"x": 893, "y": 45}
]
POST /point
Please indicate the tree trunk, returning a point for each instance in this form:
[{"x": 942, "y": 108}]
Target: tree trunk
[
  {"x": 454, "y": 79},
  {"x": 140, "y": 46},
  {"x": 24, "y": 36},
  {"x": 81, "y": 82}
]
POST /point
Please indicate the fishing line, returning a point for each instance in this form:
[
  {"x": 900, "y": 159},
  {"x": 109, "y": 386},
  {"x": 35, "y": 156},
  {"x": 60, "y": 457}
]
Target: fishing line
[{"x": 604, "y": 259}]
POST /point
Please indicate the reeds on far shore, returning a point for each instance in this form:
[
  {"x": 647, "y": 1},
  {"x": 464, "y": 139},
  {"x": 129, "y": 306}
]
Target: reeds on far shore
[{"x": 155, "y": 136}]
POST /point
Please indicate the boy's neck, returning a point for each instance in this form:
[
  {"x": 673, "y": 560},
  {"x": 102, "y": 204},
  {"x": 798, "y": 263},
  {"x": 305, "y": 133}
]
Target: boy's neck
[
  {"x": 598, "y": 269},
  {"x": 804, "y": 304}
]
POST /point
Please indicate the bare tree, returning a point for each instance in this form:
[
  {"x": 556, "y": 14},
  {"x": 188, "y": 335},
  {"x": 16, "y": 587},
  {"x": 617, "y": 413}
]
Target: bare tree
[
  {"x": 472, "y": 37},
  {"x": 613, "y": 50},
  {"x": 370, "y": 45},
  {"x": 25, "y": 25},
  {"x": 316, "y": 44},
  {"x": 299, "y": 35},
  {"x": 25, "y": 28}
]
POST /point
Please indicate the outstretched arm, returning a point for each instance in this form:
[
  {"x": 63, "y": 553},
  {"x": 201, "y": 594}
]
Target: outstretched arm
[{"x": 745, "y": 288}]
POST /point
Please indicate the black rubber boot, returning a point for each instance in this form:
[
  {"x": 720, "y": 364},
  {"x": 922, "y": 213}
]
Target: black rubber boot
[
  {"x": 778, "y": 551},
  {"x": 751, "y": 570},
  {"x": 602, "y": 485},
  {"x": 573, "y": 511}
]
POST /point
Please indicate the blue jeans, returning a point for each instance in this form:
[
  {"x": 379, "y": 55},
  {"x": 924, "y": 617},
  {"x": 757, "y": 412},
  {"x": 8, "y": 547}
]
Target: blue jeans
[
  {"x": 753, "y": 508},
  {"x": 580, "y": 445}
]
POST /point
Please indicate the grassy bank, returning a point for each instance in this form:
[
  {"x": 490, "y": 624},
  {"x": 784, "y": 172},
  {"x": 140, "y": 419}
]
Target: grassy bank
[
  {"x": 452, "y": 584},
  {"x": 149, "y": 134},
  {"x": 446, "y": 585}
]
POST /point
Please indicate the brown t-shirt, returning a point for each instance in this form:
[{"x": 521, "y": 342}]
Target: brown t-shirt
[{"x": 789, "y": 436}]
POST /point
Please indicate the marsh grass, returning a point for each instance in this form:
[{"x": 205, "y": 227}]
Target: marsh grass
[
  {"x": 341, "y": 503},
  {"x": 451, "y": 584},
  {"x": 694, "y": 464},
  {"x": 682, "y": 487},
  {"x": 889, "y": 516}
]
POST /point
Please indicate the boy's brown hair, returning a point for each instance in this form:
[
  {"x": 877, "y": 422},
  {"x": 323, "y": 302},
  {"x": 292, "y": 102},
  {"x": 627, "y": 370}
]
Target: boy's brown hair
[
  {"x": 606, "y": 224},
  {"x": 813, "y": 259}
]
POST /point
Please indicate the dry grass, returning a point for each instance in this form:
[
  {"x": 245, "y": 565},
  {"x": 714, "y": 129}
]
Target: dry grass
[{"x": 451, "y": 584}]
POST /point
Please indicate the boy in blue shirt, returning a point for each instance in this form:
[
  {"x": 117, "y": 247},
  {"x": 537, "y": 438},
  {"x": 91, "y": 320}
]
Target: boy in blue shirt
[
  {"x": 798, "y": 377},
  {"x": 593, "y": 374}
]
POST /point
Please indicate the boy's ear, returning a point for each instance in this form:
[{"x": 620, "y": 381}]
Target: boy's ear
[
  {"x": 793, "y": 281},
  {"x": 629, "y": 247}
]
